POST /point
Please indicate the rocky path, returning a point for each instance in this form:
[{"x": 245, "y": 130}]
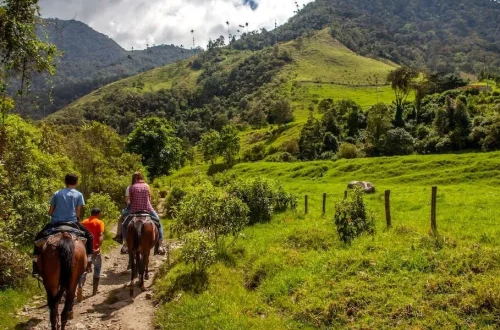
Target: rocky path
[{"x": 112, "y": 308}]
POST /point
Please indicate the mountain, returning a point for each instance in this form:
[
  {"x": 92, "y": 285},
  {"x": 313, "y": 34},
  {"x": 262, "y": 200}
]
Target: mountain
[
  {"x": 226, "y": 85},
  {"x": 88, "y": 60},
  {"x": 441, "y": 35},
  {"x": 330, "y": 51}
]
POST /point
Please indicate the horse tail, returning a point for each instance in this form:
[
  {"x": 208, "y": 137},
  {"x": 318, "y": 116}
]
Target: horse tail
[
  {"x": 137, "y": 235},
  {"x": 66, "y": 249}
]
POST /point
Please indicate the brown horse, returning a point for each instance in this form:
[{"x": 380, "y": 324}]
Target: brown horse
[
  {"x": 61, "y": 263},
  {"x": 142, "y": 236}
]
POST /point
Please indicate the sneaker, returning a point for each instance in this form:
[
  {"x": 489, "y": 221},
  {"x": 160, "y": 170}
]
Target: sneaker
[
  {"x": 118, "y": 239},
  {"x": 124, "y": 249}
]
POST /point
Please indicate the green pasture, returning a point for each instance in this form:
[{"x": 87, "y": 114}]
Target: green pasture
[{"x": 294, "y": 273}]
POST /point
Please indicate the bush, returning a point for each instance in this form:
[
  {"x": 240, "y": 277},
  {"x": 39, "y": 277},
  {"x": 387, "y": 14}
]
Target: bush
[
  {"x": 213, "y": 211},
  {"x": 281, "y": 157},
  {"x": 199, "y": 250},
  {"x": 351, "y": 218},
  {"x": 263, "y": 197},
  {"x": 255, "y": 153},
  {"x": 109, "y": 211},
  {"x": 397, "y": 142},
  {"x": 13, "y": 267},
  {"x": 348, "y": 151},
  {"x": 173, "y": 200}
]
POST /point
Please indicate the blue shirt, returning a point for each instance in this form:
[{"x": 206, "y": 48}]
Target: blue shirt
[{"x": 65, "y": 202}]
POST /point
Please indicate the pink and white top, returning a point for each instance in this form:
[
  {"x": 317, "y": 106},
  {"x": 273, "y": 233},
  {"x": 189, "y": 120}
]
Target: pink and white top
[{"x": 140, "y": 197}]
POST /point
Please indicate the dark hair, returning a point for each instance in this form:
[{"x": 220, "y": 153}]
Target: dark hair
[
  {"x": 71, "y": 179},
  {"x": 136, "y": 177},
  {"x": 95, "y": 211}
]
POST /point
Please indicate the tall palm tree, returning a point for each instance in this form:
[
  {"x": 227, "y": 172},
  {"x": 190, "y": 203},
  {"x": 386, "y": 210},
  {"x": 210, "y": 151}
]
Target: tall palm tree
[
  {"x": 192, "y": 32},
  {"x": 246, "y": 26},
  {"x": 228, "y": 31}
]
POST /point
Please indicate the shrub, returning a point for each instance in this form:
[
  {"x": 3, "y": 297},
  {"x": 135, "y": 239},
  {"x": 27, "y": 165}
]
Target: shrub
[
  {"x": 397, "y": 142},
  {"x": 255, "y": 153},
  {"x": 348, "y": 151},
  {"x": 13, "y": 267},
  {"x": 213, "y": 211},
  {"x": 109, "y": 211},
  {"x": 263, "y": 197},
  {"x": 281, "y": 157},
  {"x": 173, "y": 199},
  {"x": 199, "y": 250},
  {"x": 351, "y": 218}
]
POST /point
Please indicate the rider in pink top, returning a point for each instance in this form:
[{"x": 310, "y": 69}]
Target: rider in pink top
[{"x": 140, "y": 201}]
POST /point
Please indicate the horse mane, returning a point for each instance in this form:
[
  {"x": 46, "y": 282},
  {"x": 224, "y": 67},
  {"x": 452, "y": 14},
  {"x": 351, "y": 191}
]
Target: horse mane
[{"x": 66, "y": 249}]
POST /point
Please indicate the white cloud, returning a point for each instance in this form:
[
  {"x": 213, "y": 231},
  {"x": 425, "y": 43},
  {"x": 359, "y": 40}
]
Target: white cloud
[{"x": 135, "y": 23}]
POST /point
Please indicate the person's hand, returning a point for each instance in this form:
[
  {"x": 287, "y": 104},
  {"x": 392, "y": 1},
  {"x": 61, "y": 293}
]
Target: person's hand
[{"x": 97, "y": 251}]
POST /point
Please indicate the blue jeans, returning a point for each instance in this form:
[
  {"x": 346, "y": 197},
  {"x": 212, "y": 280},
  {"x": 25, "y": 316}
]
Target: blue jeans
[
  {"x": 153, "y": 214},
  {"x": 97, "y": 263}
]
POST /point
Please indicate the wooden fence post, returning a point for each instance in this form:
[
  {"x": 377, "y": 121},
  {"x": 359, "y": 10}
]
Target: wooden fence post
[
  {"x": 345, "y": 194},
  {"x": 305, "y": 204},
  {"x": 324, "y": 203},
  {"x": 433, "y": 209},
  {"x": 388, "y": 208}
]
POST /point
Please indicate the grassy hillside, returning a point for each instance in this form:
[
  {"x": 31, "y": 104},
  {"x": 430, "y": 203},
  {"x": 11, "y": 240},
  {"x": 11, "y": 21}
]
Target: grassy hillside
[
  {"x": 294, "y": 273},
  {"x": 320, "y": 68}
]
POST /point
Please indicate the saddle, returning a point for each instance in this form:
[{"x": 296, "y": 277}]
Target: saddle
[
  {"x": 54, "y": 234},
  {"x": 138, "y": 219}
]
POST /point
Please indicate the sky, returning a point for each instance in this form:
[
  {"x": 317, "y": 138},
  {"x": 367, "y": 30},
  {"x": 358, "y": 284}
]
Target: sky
[{"x": 135, "y": 23}]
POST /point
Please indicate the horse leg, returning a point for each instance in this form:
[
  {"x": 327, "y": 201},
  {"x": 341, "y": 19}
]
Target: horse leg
[
  {"x": 139, "y": 268},
  {"x": 53, "y": 310},
  {"x": 143, "y": 271},
  {"x": 67, "y": 313},
  {"x": 132, "y": 271},
  {"x": 146, "y": 264}
]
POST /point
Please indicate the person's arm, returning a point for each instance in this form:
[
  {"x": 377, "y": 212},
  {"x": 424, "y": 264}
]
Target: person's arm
[
  {"x": 78, "y": 210},
  {"x": 52, "y": 205},
  {"x": 79, "y": 204},
  {"x": 127, "y": 195}
]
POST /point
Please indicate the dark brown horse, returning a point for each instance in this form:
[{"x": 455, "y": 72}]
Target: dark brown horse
[
  {"x": 61, "y": 263},
  {"x": 142, "y": 236}
]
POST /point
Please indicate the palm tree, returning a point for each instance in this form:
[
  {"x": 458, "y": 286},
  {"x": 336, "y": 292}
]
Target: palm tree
[
  {"x": 246, "y": 26},
  {"x": 192, "y": 32},
  {"x": 228, "y": 31}
]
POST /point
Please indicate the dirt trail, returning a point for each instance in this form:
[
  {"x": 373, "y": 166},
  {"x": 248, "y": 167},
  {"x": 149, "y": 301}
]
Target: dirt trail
[{"x": 112, "y": 308}]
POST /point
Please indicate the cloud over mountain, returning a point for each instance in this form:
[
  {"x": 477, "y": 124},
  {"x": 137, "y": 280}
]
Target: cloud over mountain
[{"x": 135, "y": 23}]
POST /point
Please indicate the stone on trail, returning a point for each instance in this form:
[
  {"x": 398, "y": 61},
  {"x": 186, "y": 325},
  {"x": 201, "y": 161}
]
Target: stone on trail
[{"x": 80, "y": 326}]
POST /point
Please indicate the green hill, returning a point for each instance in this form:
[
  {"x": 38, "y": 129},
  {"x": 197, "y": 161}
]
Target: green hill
[
  {"x": 295, "y": 273},
  {"x": 88, "y": 60},
  {"x": 318, "y": 67}
]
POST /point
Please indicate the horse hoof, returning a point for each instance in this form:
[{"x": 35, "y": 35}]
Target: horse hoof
[
  {"x": 131, "y": 293},
  {"x": 143, "y": 289}
]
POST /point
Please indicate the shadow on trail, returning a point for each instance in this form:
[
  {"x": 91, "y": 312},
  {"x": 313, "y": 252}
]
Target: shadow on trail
[{"x": 30, "y": 324}]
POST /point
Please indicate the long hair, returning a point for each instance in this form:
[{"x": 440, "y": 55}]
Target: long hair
[{"x": 66, "y": 249}]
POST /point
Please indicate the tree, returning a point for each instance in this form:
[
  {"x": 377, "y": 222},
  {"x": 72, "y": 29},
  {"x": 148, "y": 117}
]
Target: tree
[
  {"x": 229, "y": 146},
  {"x": 398, "y": 142},
  {"x": 378, "y": 123},
  {"x": 210, "y": 145},
  {"x": 311, "y": 139},
  {"x": 401, "y": 81},
  {"x": 21, "y": 52},
  {"x": 153, "y": 138},
  {"x": 280, "y": 112}
]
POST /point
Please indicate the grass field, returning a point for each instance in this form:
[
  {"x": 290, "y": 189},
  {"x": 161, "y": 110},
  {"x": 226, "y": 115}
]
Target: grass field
[
  {"x": 294, "y": 273},
  {"x": 12, "y": 301}
]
